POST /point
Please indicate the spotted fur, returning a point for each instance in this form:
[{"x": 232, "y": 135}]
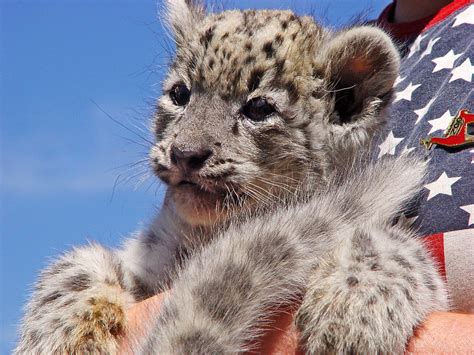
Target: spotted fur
[
  {"x": 262, "y": 210},
  {"x": 370, "y": 282}
]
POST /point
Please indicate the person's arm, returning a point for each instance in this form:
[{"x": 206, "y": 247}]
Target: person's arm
[
  {"x": 139, "y": 320},
  {"x": 442, "y": 332}
]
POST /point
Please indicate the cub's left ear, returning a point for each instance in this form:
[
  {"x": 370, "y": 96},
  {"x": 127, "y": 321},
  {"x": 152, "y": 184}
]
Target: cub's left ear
[
  {"x": 360, "y": 65},
  {"x": 183, "y": 16}
]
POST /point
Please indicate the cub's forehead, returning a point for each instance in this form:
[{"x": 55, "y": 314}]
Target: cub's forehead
[{"x": 236, "y": 52}]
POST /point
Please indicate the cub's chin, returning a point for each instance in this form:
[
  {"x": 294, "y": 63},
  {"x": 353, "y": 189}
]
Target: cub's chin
[{"x": 197, "y": 206}]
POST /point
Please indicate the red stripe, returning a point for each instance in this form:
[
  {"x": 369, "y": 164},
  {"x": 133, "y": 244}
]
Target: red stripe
[
  {"x": 446, "y": 11},
  {"x": 407, "y": 30},
  {"x": 435, "y": 244}
]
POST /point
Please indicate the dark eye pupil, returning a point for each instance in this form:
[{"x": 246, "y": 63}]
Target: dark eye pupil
[
  {"x": 258, "y": 109},
  {"x": 180, "y": 94}
]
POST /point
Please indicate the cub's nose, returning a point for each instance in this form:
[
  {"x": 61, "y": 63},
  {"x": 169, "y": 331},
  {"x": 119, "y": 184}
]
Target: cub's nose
[{"x": 189, "y": 160}]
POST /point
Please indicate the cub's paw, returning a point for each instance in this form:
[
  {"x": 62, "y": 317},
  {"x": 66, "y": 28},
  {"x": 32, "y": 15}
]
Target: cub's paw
[
  {"x": 90, "y": 326},
  {"x": 350, "y": 320},
  {"x": 370, "y": 295},
  {"x": 98, "y": 329},
  {"x": 77, "y": 307},
  {"x": 344, "y": 332}
]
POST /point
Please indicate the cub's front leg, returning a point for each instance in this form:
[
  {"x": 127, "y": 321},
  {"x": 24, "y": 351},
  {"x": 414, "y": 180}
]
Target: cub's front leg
[
  {"x": 370, "y": 294},
  {"x": 78, "y": 305}
]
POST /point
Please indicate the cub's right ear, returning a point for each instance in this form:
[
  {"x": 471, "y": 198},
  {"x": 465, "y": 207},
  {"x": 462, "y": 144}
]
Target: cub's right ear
[
  {"x": 360, "y": 66},
  {"x": 182, "y": 17}
]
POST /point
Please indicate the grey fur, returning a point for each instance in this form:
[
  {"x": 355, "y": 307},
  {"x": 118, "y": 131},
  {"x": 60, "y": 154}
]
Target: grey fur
[
  {"x": 256, "y": 209},
  {"x": 358, "y": 300}
]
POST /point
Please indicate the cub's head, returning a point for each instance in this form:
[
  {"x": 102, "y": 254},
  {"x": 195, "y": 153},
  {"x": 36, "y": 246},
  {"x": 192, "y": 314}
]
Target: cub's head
[{"x": 255, "y": 102}]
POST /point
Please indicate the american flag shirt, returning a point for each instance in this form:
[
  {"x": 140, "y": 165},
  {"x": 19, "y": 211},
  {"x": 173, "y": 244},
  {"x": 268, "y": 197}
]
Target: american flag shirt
[{"x": 434, "y": 84}]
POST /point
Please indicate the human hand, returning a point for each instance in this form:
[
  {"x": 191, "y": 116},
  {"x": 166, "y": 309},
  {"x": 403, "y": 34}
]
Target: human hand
[{"x": 442, "y": 332}]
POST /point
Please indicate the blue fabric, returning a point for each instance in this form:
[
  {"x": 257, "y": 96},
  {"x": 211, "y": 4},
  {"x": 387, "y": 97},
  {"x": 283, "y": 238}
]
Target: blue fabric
[{"x": 444, "y": 207}]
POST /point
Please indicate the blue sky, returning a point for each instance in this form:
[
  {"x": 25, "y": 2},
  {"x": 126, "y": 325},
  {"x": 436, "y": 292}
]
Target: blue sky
[{"x": 65, "y": 67}]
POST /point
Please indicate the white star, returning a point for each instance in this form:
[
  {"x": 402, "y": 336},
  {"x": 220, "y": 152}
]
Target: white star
[
  {"x": 398, "y": 80},
  {"x": 446, "y": 61},
  {"x": 429, "y": 47},
  {"x": 406, "y": 94},
  {"x": 467, "y": 16},
  {"x": 469, "y": 209},
  {"x": 415, "y": 47},
  {"x": 420, "y": 113},
  {"x": 464, "y": 71},
  {"x": 440, "y": 123},
  {"x": 441, "y": 186},
  {"x": 389, "y": 145}
]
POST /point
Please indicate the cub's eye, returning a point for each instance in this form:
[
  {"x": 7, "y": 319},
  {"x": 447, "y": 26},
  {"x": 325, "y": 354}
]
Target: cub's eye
[
  {"x": 258, "y": 109},
  {"x": 180, "y": 94}
]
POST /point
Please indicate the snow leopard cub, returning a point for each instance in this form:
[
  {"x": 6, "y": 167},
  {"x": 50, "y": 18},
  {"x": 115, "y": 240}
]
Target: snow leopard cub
[{"x": 258, "y": 129}]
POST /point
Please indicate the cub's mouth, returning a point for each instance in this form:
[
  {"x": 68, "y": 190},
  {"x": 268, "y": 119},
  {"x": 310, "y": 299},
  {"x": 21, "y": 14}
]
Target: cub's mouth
[
  {"x": 187, "y": 183},
  {"x": 203, "y": 202},
  {"x": 212, "y": 188}
]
